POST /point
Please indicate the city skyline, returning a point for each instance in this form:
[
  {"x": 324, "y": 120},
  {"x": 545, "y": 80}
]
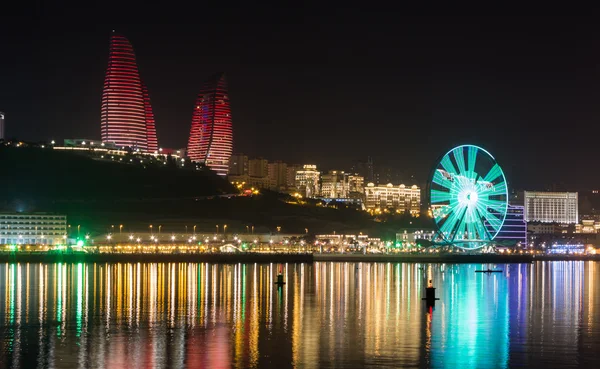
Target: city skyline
[{"x": 400, "y": 102}]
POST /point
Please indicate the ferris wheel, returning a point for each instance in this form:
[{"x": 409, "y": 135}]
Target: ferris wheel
[{"x": 469, "y": 197}]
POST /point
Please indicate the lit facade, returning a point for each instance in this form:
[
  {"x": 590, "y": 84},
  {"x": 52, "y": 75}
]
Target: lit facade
[
  {"x": 126, "y": 115},
  {"x": 401, "y": 198},
  {"x": 1, "y": 125},
  {"x": 551, "y": 207},
  {"x": 514, "y": 228},
  {"x": 334, "y": 185},
  {"x": 356, "y": 185},
  {"x": 414, "y": 235},
  {"x": 211, "y": 135},
  {"x": 307, "y": 181},
  {"x": 32, "y": 229},
  {"x": 151, "y": 138}
]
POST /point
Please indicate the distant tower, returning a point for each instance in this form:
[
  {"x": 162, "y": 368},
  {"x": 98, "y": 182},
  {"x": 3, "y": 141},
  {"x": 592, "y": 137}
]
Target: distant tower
[
  {"x": 126, "y": 118},
  {"x": 211, "y": 136},
  {"x": 1, "y": 125}
]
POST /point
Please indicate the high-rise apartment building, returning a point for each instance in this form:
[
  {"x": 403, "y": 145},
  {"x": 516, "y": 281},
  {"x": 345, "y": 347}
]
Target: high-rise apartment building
[
  {"x": 211, "y": 135},
  {"x": 307, "y": 180},
  {"x": 126, "y": 115},
  {"x": 278, "y": 176},
  {"x": 551, "y": 207},
  {"x": 1, "y": 125},
  {"x": 401, "y": 198},
  {"x": 238, "y": 165},
  {"x": 258, "y": 168}
]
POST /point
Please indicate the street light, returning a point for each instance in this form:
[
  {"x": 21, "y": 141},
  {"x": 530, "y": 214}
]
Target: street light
[
  {"x": 159, "y": 227},
  {"x": 150, "y": 228},
  {"x": 120, "y": 228}
]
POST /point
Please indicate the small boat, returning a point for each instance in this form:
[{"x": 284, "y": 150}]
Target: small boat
[{"x": 489, "y": 271}]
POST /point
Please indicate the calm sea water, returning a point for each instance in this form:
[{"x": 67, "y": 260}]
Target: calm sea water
[{"x": 342, "y": 315}]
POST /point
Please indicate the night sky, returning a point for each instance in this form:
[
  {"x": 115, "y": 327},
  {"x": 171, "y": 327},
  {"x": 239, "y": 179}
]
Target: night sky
[{"x": 335, "y": 88}]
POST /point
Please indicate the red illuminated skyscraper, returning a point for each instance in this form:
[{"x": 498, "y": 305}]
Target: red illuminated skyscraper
[
  {"x": 127, "y": 119},
  {"x": 211, "y": 136}
]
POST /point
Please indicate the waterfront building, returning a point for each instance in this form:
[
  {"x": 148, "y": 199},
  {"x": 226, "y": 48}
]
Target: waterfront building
[
  {"x": 514, "y": 229},
  {"x": 334, "y": 185},
  {"x": 126, "y": 115},
  {"x": 412, "y": 236},
  {"x": 238, "y": 165},
  {"x": 2, "y": 126},
  {"x": 551, "y": 207},
  {"x": 401, "y": 198},
  {"x": 307, "y": 181},
  {"x": 211, "y": 135},
  {"x": 33, "y": 229},
  {"x": 277, "y": 174}
]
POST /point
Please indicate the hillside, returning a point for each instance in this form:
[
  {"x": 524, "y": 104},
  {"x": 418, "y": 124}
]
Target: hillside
[{"x": 35, "y": 175}]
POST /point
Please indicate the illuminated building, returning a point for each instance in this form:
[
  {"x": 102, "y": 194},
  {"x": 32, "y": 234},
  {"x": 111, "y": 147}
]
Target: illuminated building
[
  {"x": 414, "y": 235},
  {"x": 587, "y": 226},
  {"x": 238, "y": 165},
  {"x": 334, "y": 185},
  {"x": 152, "y": 141},
  {"x": 400, "y": 198},
  {"x": 356, "y": 185},
  {"x": 32, "y": 228},
  {"x": 514, "y": 228},
  {"x": 551, "y": 207},
  {"x": 277, "y": 176},
  {"x": 1, "y": 125},
  {"x": 126, "y": 116},
  {"x": 307, "y": 180},
  {"x": 211, "y": 136}
]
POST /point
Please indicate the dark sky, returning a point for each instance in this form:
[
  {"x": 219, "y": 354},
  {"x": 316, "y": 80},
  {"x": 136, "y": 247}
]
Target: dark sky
[{"x": 335, "y": 88}]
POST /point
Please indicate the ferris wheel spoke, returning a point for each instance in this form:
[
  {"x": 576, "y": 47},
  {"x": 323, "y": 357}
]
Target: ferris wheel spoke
[
  {"x": 493, "y": 174},
  {"x": 440, "y": 196},
  {"x": 472, "y": 158},
  {"x": 438, "y": 178},
  {"x": 459, "y": 157},
  {"x": 446, "y": 163}
]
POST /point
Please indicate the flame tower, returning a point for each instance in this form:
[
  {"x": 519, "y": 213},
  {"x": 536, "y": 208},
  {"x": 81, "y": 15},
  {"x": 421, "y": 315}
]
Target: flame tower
[
  {"x": 126, "y": 119},
  {"x": 211, "y": 136}
]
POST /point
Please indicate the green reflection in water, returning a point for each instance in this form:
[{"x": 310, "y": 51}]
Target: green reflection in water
[
  {"x": 470, "y": 324},
  {"x": 79, "y": 312}
]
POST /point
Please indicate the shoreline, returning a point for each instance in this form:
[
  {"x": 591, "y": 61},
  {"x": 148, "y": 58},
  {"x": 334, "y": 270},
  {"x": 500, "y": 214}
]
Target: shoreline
[{"x": 228, "y": 258}]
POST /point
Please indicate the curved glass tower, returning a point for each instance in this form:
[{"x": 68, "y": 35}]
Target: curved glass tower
[
  {"x": 211, "y": 136},
  {"x": 126, "y": 119}
]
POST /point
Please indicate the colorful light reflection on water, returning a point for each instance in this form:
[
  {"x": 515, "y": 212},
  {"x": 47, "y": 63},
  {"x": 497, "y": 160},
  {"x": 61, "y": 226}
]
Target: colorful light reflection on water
[{"x": 326, "y": 315}]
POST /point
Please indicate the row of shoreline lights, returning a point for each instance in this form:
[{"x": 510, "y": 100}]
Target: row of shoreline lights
[{"x": 173, "y": 238}]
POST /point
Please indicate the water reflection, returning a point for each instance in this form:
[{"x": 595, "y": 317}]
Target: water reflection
[{"x": 327, "y": 314}]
